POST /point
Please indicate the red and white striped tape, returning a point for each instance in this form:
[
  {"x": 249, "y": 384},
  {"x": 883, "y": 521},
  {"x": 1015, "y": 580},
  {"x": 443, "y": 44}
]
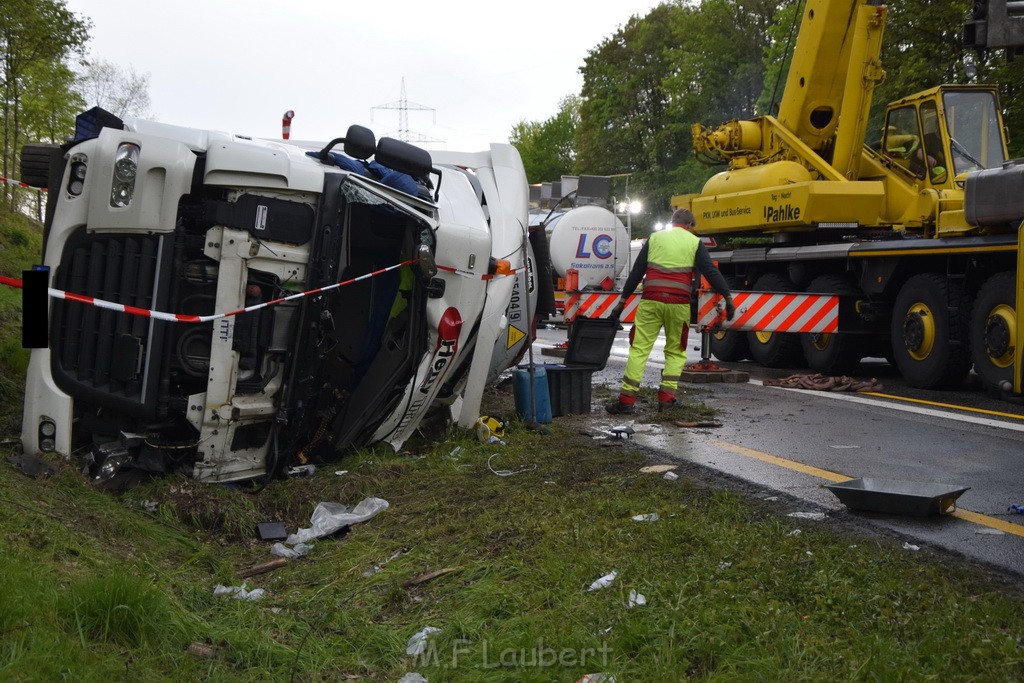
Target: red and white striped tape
[
  {"x": 598, "y": 305},
  {"x": 181, "y": 317},
  {"x": 18, "y": 183},
  {"x": 771, "y": 312}
]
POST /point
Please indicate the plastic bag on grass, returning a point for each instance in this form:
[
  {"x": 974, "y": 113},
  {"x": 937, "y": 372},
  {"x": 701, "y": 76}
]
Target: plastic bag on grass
[
  {"x": 239, "y": 592},
  {"x": 329, "y": 518},
  {"x": 603, "y": 582},
  {"x": 417, "y": 644}
]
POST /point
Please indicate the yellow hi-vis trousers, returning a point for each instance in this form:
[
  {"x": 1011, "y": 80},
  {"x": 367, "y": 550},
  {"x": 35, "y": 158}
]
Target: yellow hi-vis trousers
[{"x": 651, "y": 317}]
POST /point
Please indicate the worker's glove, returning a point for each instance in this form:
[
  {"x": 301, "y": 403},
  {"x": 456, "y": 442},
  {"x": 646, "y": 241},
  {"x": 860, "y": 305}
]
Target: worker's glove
[
  {"x": 616, "y": 311},
  {"x": 730, "y": 308}
]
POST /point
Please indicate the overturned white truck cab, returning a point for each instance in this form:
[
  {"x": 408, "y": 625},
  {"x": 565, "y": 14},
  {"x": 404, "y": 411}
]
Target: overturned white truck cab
[{"x": 201, "y": 224}]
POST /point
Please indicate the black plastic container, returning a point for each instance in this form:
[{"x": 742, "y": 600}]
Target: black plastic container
[{"x": 569, "y": 383}]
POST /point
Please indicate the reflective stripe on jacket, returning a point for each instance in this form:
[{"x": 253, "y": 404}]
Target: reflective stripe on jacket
[{"x": 670, "y": 258}]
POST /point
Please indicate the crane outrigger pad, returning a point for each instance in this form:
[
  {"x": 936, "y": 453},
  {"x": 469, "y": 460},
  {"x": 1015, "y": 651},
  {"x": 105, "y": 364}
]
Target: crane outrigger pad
[{"x": 896, "y": 497}]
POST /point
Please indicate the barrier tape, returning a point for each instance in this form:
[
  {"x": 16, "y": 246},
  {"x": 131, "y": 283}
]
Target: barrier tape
[
  {"x": 183, "y": 318},
  {"x": 18, "y": 183}
]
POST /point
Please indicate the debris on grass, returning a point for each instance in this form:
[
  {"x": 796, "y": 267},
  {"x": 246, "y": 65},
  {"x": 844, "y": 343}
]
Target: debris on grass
[
  {"x": 262, "y": 568},
  {"x": 808, "y": 515},
  {"x": 281, "y": 550},
  {"x": 417, "y": 644},
  {"x": 378, "y": 567},
  {"x": 597, "y": 678},
  {"x": 794, "y": 532},
  {"x": 413, "y": 678},
  {"x": 429, "y": 576},
  {"x": 651, "y": 517},
  {"x": 202, "y": 651},
  {"x": 636, "y": 599},
  {"x": 329, "y": 518},
  {"x": 603, "y": 582},
  {"x": 509, "y": 473},
  {"x": 657, "y": 469},
  {"x": 271, "y": 531},
  {"x": 239, "y": 592},
  {"x": 623, "y": 430},
  {"x": 670, "y": 476},
  {"x": 911, "y": 546}
]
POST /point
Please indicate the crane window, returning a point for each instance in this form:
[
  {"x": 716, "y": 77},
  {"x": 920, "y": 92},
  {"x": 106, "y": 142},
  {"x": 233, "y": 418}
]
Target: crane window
[
  {"x": 975, "y": 141},
  {"x": 902, "y": 140}
]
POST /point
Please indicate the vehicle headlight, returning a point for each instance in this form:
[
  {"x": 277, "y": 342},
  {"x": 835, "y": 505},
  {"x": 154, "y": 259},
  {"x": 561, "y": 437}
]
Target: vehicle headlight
[
  {"x": 126, "y": 167},
  {"x": 79, "y": 167},
  {"x": 47, "y": 430}
]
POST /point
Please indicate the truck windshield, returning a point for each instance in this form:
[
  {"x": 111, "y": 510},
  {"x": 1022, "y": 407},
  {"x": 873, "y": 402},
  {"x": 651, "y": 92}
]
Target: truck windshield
[{"x": 975, "y": 139}]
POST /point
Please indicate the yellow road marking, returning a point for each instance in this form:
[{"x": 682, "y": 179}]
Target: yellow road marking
[
  {"x": 959, "y": 513},
  {"x": 991, "y": 522},
  {"x": 944, "y": 405},
  {"x": 782, "y": 462}
]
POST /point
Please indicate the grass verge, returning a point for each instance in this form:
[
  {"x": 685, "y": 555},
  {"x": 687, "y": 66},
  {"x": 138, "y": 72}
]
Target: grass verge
[{"x": 96, "y": 586}]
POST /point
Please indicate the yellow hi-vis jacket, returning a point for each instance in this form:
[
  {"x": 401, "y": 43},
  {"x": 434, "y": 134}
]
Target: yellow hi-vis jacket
[{"x": 670, "y": 258}]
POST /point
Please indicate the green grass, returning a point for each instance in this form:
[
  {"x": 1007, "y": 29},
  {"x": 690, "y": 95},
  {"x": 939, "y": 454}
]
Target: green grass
[
  {"x": 21, "y": 242},
  {"x": 731, "y": 595}
]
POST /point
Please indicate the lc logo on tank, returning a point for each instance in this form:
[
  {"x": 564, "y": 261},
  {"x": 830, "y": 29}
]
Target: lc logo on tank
[{"x": 601, "y": 247}]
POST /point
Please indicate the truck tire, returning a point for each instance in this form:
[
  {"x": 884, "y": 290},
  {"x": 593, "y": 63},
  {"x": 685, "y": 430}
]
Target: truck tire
[
  {"x": 775, "y": 349},
  {"x": 35, "y": 164},
  {"x": 730, "y": 346},
  {"x": 832, "y": 353},
  {"x": 993, "y": 330},
  {"x": 930, "y": 324}
]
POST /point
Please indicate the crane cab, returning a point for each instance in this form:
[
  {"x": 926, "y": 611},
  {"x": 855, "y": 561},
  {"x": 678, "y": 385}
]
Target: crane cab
[{"x": 941, "y": 133}]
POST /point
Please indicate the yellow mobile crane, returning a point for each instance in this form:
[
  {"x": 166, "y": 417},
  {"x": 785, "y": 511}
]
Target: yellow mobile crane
[{"x": 917, "y": 233}]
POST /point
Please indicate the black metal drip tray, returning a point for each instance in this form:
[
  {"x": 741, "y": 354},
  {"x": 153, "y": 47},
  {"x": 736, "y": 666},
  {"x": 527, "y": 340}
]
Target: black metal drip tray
[{"x": 919, "y": 499}]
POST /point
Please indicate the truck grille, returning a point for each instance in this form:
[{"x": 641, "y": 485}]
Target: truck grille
[{"x": 113, "y": 359}]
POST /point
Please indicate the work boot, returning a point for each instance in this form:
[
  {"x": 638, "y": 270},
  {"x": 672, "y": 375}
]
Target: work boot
[
  {"x": 665, "y": 405},
  {"x": 619, "y": 408}
]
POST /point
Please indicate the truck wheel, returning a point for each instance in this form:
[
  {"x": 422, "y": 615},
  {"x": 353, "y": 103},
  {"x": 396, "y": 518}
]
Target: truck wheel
[
  {"x": 994, "y": 330},
  {"x": 35, "y": 164},
  {"x": 832, "y": 353},
  {"x": 930, "y": 322},
  {"x": 775, "y": 349},
  {"x": 730, "y": 346}
]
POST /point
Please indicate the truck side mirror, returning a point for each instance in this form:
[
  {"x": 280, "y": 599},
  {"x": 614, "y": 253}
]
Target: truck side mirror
[
  {"x": 403, "y": 157},
  {"x": 360, "y": 143}
]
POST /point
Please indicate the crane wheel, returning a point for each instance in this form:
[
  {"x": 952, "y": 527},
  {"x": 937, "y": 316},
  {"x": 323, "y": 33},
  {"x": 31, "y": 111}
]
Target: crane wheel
[
  {"x": 929, "y": 329},
  {"x": 775, "y": 349},
  {"x": 836, "y": 353},
  {"x": 994, "y": 330}
]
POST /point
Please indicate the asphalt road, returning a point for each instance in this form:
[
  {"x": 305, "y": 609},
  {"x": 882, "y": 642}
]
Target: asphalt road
[{"x": 794, "y": 442}]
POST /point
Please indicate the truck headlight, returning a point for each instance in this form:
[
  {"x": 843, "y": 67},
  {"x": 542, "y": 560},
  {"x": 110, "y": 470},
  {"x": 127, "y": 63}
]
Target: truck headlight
[
  {"x": 47, "y": 430},
  {"x": 126, "y": 167},
  {"x": 78, "y": 170}
]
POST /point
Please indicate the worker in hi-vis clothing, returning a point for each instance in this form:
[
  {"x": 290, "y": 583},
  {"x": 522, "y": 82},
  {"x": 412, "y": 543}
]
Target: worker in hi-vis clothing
[{"x": 669, "y": 263}]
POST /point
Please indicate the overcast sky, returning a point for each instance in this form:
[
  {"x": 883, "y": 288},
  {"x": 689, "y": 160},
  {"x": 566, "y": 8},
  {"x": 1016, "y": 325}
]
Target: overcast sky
[{"x": 238, "y": 65}]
